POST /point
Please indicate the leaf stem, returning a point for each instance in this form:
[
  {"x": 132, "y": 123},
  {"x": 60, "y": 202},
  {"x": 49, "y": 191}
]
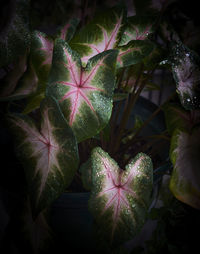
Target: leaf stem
[{"x": 127, "y": 111}]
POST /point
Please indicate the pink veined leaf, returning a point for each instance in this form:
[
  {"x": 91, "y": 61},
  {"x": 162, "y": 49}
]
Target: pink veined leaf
[
  {"x": 46, "y": 157},
  {"x": 119, "y": 195},
  {"x": 108, "y": 42},
  {"x": 47, "y": 48},
  {"x": 64, "y": 31},
  {"x": 79, "y": 86},
  {"x": 84, "y": 93}
]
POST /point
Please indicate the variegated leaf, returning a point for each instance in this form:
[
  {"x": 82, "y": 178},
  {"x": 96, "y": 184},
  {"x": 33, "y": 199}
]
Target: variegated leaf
[
  {"x": 102, "y": 34},
  {"x": 84, "y": 94},
  {"x": 134, "y": 52},
  {"x": 185, "y": 156},
  {"x": 66, "y": 32},
  {"x": 186, "y": 71},
  {"x": 120, "y": 198},
  {"x": 48, "y": 152},
  {"x": 137, "y": 28}
]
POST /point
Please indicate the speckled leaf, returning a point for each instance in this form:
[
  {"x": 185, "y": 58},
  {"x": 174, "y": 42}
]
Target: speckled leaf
[
  {"x": 84, "y": 94},
  {"x": 134, "y": 52},
  {"x": 103, "y": 33},
  {"x": 185, "y": 156},
  {"x": 137, "y": 28},
  {"x": 120, "y": 198},
  {"x": 15, "y": 29},
  {"x": 186, "y": 71},
  {"x": 48, "y": 152},
  {"x": 67, "y": 31}
]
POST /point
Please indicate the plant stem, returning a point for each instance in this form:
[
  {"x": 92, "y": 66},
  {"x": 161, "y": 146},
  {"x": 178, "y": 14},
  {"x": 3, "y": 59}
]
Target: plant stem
[
  {"x": 128, "y": 144},
  {"x": 127, "y": 111}
]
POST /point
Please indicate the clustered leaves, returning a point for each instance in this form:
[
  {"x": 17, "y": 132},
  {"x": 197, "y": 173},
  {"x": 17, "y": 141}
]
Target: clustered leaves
[{"x": 69, "y": 82}]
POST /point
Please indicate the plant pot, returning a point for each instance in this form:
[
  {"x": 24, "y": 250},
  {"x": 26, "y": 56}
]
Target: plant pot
[{"x": 70, "y": 218}]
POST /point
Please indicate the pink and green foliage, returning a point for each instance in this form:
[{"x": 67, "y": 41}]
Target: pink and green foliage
[
  {"x": 137, "y": 28},
  {"x": 186, "y": 71},
  {"x": 120, "y": 198},
  {"x": 102, "y": 34},
  {"x": 84, "y": 94},
  {"x": 36, "y": 77},
  {"x": 66, "y": 32},
  {"x": 47, "y": 151},
  {"x": 185, "y": 156}
]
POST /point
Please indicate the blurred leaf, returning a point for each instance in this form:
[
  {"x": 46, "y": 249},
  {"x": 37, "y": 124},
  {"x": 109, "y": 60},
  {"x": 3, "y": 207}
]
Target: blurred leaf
[
  {"x": 186, "y": 72},
  {"x": 185, "y": 156},
  {"x": 15, "y": 35}
]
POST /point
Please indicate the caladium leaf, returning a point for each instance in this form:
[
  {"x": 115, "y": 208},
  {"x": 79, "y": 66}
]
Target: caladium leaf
[
  {"x": 185, "y": 156},
  {"x": 186, "y": 71},
  {"x": 66, "y": 32},
  {"x": 35, "y": 79},
  {"x": 102, "y": 34},
  {"x": 134, "y": 52},
  {"x": 84, "y": 94},
  {"x": 14, "y": 28},
  {"x": 120, "y": 198},
  {"x": 48, "y": 153},
  {"x": 137, "y": 28}
]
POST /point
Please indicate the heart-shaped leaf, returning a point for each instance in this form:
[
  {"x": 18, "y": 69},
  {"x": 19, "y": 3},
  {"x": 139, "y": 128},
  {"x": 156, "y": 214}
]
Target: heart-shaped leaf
[
  {"x": 48, "y": 153},
  {"x": 137, "y": 28},
  {"x": 84, "y": 94},
  {"x": 185, "y": 156},
  {"x": 186, "y": 71},
  {"x": 120, "y": 198},
  {"x": 102, "y": 34}
]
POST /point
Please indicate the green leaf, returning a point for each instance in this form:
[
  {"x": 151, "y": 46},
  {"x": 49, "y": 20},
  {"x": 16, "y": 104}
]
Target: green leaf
[
  {"x": 84, "y": 94},
  {"x": 120, "y": 198},
  {"x": 134, "y": 52},
  {"x": 137, "y": 28},
  {"x": 186, "y": 72},
  {"x": 86, "y": 174},
  {"x": 185, "y": 156},
  {"x": 48, "y": 152},
  {"x": 102, "y": 34},
  {"x": 66, "y": 32},
  {"x": 15, "y": 35}
]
